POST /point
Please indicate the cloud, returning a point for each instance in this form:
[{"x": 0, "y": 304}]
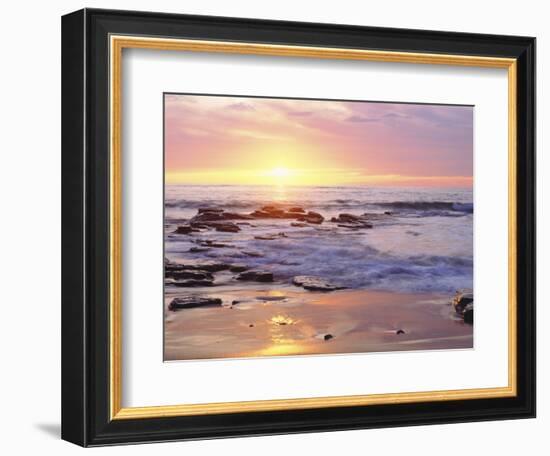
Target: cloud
[
  {"x": 299, "y": 113},
  {"x": 357, "y": 119},
  {"x": 241, "y": 106},
  {"x": 395, "y": 115}
]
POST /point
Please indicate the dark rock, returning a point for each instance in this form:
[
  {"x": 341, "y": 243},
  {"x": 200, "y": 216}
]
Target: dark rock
[
  {"x": 351, "y": 221},
  {"x": 250, "y": 325},
  {"x": 270, "y": 237},
  {"x": 184, "y": 229},
  {"x": 189, "y": 302},
  {"x": 199, "y": 226},
  {"x": 314, "y": 217},
  {"x": 210, "y": 266},
  {"x": 235, "y": 302},
  {"x": 312, "y": 283},
  {"x": 227, "y": 227},
  {"x": 195, "y": 275},
  {"x": 328, "y": 336},
  {"x": 202, "y": 210},
  {"x": 463, "y": 301},
  {"x": 270, "y": 298},
  {"x": 193, "y": 283},
  {"x": 355, "y": 226},
  {"x": 219, "y": 245},
  {"x": 238, "y": 268},
  {"x": 236, "y": 216},
  {"x": 469, "y": 316},
  {"x": 207, "y": 217},
  {"x": 274, "y": 212},
  {"x": 388, "y": 213},
  {"x": 348, "y": 218},
  {"x": 198, "y": 249},
  {"x": 253, "y": 254},
  {"x": 399, "y": 331},
  {"x": 256, "y": 276}
]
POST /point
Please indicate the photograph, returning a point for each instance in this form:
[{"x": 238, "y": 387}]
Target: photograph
[{"x": 311, "y": 227}]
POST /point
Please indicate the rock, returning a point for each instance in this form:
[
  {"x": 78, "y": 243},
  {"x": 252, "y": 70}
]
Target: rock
[
  {"x": 210, "y": 266},
  {"x": 193, "y": 283},
  {"x": 250, "y": 325},
  {"x": 296, "y": 209},
  {"x": 355, "y": 226},
  {"x": 312, "y": 283},
  {"x": 238, "y": 268},
  {"x": 328, "y": 336},
  {"x": 195, "y": 275},
  {"x": 235, "y": 302},
  {"x": 252, "y": 253},
  {"x": 351, "y": 221},
  {"x": 469, "y": 316},
  {"x": 348, "y": 218},
  {"x": 202, "y": 210},
  {"x": 270, "y": 237},
  {"x": 184, "y": 229},
  {"x": 314, "y": 217},
  {"x": 207, "y": 217},
  {"x": 236, "y": 216},
  {"x": 311, "y": 217},
  {"x": 299, "y": 224},
  {"x": 388, "y": 213},
  {"x": 463, "y": 301},
  {"x": 399, "y": 331},
  {"x": 275, "y": 212},
  {"x": 256, "y": 276},
  {"x": 218, "y": 245},
  {"x": 189, "y": 302},
  {"x": 270, "y": 298},
  {"x": 227, "y": 227},
  {"x": 198, "y": 249}
]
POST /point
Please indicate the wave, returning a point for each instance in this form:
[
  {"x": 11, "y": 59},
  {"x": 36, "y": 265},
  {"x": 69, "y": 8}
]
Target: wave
[
  {"x": 355, "y": 265},
  {"x": 467, "y": 208}
]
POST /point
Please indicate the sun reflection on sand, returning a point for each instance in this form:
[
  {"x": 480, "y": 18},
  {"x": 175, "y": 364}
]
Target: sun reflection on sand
[{"x": 282, "y": 320}]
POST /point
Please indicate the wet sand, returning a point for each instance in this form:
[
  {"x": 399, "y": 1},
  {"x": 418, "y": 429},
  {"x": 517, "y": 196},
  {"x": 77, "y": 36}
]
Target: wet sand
[{"x": 279, "y": 320}]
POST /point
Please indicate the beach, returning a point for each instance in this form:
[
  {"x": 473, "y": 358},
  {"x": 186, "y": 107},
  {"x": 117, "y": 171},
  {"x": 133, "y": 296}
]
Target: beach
[{"x": 273, "y": 271}]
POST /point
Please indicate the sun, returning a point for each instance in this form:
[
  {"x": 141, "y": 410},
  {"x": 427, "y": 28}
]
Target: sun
[{"x": 279, "y": 172}]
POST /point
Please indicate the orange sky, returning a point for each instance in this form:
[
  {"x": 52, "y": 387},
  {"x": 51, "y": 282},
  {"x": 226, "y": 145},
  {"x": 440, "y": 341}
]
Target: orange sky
[{"x": 242, "y": 140}]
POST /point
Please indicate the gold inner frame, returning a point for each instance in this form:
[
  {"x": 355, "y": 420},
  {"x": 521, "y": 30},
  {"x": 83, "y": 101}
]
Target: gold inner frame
[{"x": 117, "y": 44}]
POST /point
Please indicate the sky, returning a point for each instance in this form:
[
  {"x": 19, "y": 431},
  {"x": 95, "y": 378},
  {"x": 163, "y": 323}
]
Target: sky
[{"x": 261, "y": 141}]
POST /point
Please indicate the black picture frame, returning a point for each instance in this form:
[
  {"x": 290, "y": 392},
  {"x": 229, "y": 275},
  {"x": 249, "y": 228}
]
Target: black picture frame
[{"x": 85, "y": 225}]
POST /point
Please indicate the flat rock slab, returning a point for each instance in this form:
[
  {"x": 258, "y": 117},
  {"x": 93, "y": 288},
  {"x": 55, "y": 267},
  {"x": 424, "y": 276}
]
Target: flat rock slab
[
  {"x": 190, "y": 302},
  {"x": 256, "y": 276},
  {"x": 313, "y": 283},
  {"x": 184, "y": 274},
  {"x": 210, "y": 266},
  {"x": 192, "y": 283}
]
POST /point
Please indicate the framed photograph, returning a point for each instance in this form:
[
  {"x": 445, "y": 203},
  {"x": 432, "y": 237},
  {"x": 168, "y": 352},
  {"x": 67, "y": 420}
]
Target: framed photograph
[{"x": 280, "y": 227}]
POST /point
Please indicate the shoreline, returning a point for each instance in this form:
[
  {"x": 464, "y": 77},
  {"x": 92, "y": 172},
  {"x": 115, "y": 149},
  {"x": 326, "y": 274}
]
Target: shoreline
[
  {"x": 275, "y": 320},
  {"x": 284, "y": 280}
]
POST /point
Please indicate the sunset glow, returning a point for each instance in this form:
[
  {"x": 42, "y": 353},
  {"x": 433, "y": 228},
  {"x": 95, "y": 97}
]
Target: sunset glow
[{"x": 262, "y": 141}]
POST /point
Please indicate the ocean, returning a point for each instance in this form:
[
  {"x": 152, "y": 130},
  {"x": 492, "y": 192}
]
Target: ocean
[{"x": 424, "y": 244}]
